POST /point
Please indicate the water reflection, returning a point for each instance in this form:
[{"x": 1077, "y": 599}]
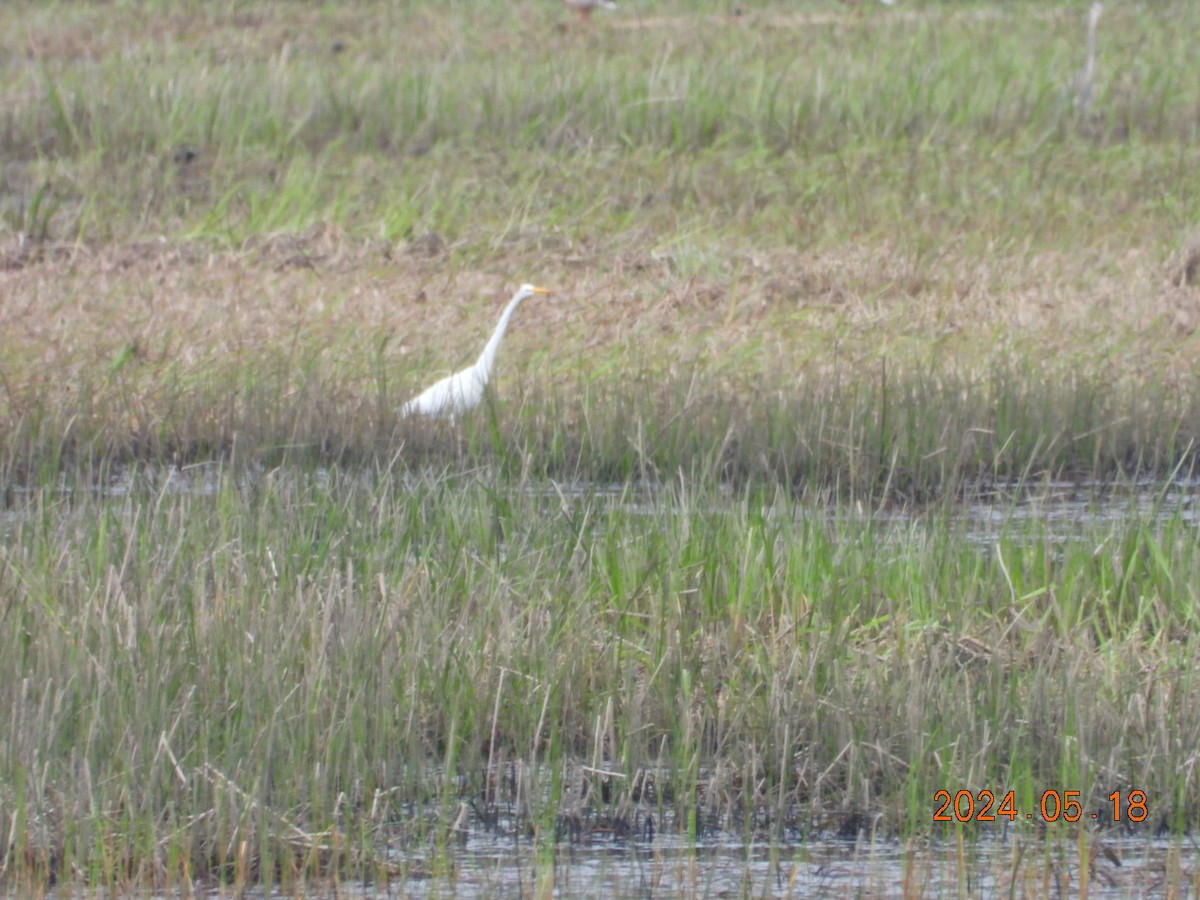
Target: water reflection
[
  {"x": 1033, "y": 865},
  {"x": 1062, "y": 510}
]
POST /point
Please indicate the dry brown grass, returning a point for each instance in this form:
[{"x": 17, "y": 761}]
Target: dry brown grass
[
  {"x": 729, "y": 262},
  {"x": 187, "y": 305}
]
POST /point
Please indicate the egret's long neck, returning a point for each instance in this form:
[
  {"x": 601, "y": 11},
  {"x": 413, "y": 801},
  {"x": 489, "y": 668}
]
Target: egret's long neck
[{"x": 484, "y": 365}]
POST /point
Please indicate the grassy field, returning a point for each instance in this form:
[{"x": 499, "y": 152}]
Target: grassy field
[
  {"x": 310, "y": 211},
  {"x": 823, "y": 276}
]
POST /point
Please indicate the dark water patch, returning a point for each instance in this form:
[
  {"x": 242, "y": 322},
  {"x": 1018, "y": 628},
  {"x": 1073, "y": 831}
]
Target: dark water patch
[
  {"x": 1063, "y": 508},
  {"x": 728, "y": 866}
]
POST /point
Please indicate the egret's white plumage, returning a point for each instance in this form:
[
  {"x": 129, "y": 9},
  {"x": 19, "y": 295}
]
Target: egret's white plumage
[{"x": 463, "y": 390}]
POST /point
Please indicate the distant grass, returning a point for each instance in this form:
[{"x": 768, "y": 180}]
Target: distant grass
[
  {"x": 201, "y": 662},
  {"x": 889, "y": 436},
  {"x": 767, "y": 198},
  {"x": 824, "y": 281},
  {"x": 922, "y": 126}
]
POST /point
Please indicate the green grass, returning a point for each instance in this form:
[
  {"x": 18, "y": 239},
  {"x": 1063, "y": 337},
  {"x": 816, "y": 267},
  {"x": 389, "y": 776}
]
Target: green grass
[
  {"x": 825, "y": 281},
  {"x": 252, "y": 654},
  {"x": 886, "y": 435},
  {"x": 867, "y": 207},
  {"x": 725, "y": 129}
]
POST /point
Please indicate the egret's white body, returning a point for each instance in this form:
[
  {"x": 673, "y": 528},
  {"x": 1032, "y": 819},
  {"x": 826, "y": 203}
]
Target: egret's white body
[{"x": 462, "y": 391}]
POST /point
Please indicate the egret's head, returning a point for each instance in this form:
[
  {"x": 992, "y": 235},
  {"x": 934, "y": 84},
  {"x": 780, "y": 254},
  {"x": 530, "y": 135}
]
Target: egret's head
[{"x": 528, "y": 290}]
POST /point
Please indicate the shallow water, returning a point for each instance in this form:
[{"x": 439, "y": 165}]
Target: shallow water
[
  {"x": 494, "y": 856},
  {"x": 986, "y": 507},
  {"x": 667, "y": 866}
]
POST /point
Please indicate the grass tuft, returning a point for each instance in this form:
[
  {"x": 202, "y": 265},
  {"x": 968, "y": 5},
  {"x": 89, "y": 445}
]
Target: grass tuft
[{"x": 849, "y": 461}]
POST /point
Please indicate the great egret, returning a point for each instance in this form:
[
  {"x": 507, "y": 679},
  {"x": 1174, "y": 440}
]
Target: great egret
[
  {"x": 463, "y": 390},
  {"x": 585, "y": 7}
]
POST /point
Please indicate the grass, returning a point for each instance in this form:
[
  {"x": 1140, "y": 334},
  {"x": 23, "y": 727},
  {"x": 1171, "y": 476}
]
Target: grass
[
  {"x": 825, "y": 282},
  {"x": 290, "y": 660},
  {"x": 881, "y": 436},
  {"x": 800, "y": 126}
]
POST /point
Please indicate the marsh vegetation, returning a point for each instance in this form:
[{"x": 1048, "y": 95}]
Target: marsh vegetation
[{"x": 824, "y": 281}]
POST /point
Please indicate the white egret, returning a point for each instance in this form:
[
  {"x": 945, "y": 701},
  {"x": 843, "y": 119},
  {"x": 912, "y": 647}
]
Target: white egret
[
  {"x": 585, "y": 7},
  {"x": 463, "y": 390}
]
